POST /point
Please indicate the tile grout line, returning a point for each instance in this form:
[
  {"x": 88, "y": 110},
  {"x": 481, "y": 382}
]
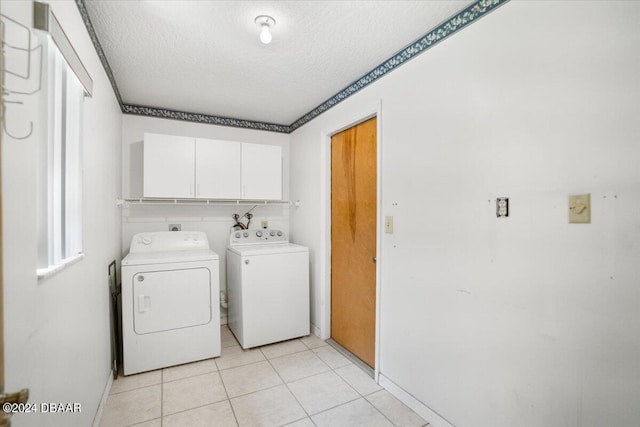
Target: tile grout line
[
  {"x": 338, "y": 405},
  {"x": 364, "y": 396},
  {"x": 144, "y": 422},
  {"x": 378, "y": 410},
  {"x": 286, "y": 354},
  {"x": 189, "y": 376},
  {"x": 256, "y": 391},
  {"x": 288, "y": 389},
  {"x": 195, "y": 407},
  {"x": 137, "y": 387},
  {"x": 227, "y": 394},
  {"x": 241, "y": 366},
  {"x": 361, "y": 396},
  {"x": 351, "y": 357}
]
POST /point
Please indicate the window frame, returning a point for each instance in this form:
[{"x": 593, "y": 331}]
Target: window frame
[{"x": 60, "y": 155}]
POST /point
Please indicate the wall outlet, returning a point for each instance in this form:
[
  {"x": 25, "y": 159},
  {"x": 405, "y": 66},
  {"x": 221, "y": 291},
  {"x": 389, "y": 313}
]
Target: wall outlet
[
  {"x": 265, "y": 224},
  {"x": 580, "y": 209},
  {"x": 388, "y": 224},
  {"x": 502, "y": 207},
  {"x": 175, "y": 227}
]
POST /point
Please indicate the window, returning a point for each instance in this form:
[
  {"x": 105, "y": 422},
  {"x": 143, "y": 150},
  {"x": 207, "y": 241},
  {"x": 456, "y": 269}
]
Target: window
[{"x": 59, "y": 161}]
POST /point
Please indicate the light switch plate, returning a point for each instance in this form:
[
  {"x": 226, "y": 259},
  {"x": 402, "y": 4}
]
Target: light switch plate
[
  {"x": 388, "y": 224},
  {"x": 580, "y": 209}
]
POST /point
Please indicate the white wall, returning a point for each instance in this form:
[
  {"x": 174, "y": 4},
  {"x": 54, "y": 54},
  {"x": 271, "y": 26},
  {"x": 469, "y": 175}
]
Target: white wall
[
  {"x": 526, "y": 321},
  {"x": 215, "y": 221},
  {"x": 57, "y": 340}
]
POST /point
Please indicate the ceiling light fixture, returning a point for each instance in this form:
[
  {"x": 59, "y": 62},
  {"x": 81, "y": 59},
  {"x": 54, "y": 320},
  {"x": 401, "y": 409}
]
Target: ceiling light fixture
[{"x": 265, "y": 22}]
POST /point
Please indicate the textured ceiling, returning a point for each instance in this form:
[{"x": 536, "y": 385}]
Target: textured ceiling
[{"x": 205, "y": 56}]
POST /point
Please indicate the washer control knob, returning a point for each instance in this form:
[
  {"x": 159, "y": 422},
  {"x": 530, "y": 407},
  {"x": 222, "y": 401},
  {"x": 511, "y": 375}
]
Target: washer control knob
[
  {"x": 279, "y": 233},
  {"x": 146, "y": 240},
  {"x": 246, "y": 261},
  {"x": 273, "y": 233},
  {"x": 245, "y": 234},
  {"x": 259, "y": 233},
  {"x": 237, "y": 235}
]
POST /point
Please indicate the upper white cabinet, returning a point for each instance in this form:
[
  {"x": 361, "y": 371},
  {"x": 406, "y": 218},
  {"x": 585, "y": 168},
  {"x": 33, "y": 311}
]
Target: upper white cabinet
[
  {"x": 168, "y": 169},
  {"x": 217, "y": 169},
  {"x": 261, "y": 171},
  {"x": 179, "y": 167}
]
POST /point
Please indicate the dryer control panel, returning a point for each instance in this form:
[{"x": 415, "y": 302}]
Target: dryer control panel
[{"x": 257, "y": 236}]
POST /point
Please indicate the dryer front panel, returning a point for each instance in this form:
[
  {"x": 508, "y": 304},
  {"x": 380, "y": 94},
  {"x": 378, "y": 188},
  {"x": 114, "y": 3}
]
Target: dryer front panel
[{"x": 171, "y": 299}]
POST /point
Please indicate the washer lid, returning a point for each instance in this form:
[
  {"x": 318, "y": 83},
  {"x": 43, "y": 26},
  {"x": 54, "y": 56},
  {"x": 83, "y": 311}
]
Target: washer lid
[
  {"x": 169, "y": 257},
  {"x": 278, "y": 248}
]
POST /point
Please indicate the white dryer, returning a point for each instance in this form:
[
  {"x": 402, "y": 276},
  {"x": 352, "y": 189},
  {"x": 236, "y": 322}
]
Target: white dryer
[
  {"x": 267, "y": 287},
  {"x": 170, "y": 301}
]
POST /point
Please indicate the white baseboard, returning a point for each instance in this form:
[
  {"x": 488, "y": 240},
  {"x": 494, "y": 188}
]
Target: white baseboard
[
  {"x": 315, "y": 330},
  {"x": 103, "y": 401},
  {"x": 421, "y": 409}
]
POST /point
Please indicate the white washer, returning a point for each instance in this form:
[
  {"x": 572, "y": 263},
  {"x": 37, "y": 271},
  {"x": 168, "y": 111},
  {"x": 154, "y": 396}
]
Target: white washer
[
  {"x": 170, "y": 301},
  {"x": 267, "y": 287}
]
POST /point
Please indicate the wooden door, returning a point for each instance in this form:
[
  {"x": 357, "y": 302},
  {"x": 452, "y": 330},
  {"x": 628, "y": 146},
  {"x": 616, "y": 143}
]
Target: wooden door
[{"x": 353, "y": 239}]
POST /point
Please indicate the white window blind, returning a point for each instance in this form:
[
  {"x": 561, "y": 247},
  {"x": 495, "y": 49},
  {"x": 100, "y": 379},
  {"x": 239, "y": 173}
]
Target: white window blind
[{"x": 60, "y": 157}]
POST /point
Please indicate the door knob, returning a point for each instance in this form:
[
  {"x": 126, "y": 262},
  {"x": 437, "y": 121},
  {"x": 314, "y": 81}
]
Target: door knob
[{"x": 374, "y": 259}]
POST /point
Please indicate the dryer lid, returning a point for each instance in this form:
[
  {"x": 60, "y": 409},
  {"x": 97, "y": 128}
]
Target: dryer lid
[
  {"x": 168, "y": 241},
  {"x": 170, "y": 257}
]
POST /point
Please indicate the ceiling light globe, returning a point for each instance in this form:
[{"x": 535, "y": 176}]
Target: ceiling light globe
[{"x": 265, "y": 35}]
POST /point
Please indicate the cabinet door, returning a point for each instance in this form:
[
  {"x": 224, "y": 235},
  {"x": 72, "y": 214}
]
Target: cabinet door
[
  {"x": 261, "y": 172},
  {"x": 217, "y": 169},
  {"x": 168, "y": 169}
]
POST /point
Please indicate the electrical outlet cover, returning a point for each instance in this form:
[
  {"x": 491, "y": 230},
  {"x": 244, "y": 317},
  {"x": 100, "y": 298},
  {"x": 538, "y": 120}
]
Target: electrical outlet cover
[
  {"x": 580, "y": 209},
  {"x": 502, "y": 207}
]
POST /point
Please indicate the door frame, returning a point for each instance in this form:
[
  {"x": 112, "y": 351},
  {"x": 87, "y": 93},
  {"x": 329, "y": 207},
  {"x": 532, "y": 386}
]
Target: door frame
[
  {"x": 1, "y": 239},
  {"x": 363, "y": 114}
]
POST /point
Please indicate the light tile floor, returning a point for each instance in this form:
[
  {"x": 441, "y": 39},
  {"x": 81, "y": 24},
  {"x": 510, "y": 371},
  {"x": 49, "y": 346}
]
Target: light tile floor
[{"x": 302, "y": 382}]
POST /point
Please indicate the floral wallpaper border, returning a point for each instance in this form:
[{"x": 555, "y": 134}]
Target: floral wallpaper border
[{"x": 444, "y": 30}]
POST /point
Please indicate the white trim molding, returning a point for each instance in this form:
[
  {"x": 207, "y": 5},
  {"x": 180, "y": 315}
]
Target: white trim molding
[{"x": 432, "y": 417}]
